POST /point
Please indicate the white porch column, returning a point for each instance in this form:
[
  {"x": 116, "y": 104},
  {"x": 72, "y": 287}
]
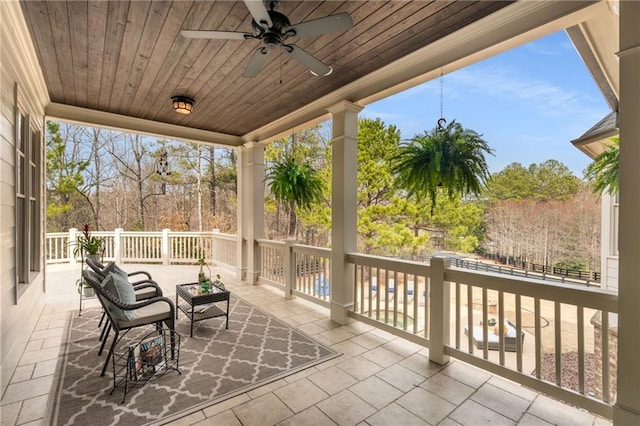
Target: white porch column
[
  {"x": 344, "y": 203},
  {"x": 627, "y": 408},
  {"x": 250, "y": 209}
]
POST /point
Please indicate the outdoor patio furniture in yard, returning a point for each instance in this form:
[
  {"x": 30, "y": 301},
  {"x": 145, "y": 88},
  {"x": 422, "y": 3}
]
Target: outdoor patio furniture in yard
[
  {"x": 493, "y": 340},
  {"x": 125, "y": 313}
]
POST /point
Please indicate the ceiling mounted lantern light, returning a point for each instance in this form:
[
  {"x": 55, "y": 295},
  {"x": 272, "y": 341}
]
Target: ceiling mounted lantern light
[{"x": 182, "y": 104}]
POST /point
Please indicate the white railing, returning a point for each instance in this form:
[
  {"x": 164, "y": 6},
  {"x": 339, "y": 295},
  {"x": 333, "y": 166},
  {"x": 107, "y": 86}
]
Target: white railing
[
  {"x": 450, "y": 310},
  {"x": 272, "y": 262},
  {"x": 225, "y": 249},
  {"x": 312, "y": 272},
  {"x": 164, "y": 247}
]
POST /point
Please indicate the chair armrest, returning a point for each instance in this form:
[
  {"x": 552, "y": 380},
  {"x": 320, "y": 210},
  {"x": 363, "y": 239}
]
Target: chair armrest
[
  {"x": 148, "y": 275},
  {"x": 132, "y": 306},
  {"x": 147, "y": 283}
]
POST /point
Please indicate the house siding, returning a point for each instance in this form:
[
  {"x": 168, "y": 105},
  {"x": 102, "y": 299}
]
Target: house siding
[{"x": 18, "y": 66}]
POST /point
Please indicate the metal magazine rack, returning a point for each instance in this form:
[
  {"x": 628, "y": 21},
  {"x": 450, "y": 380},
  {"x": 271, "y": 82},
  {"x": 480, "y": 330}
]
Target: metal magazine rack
[{"x": 144, "y": 360}]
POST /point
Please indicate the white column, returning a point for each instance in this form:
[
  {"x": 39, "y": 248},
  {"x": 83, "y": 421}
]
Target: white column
[
  {"x": 166, "y": 255},
  {"x": 627, "y": 408},
  {"x": 440, "y": 302},
  {"x": 250, "y": 209},
  {"x": 344, "y": 204}
]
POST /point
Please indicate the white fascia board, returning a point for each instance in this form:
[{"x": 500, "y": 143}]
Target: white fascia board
[{"x": 125, "y": 123}]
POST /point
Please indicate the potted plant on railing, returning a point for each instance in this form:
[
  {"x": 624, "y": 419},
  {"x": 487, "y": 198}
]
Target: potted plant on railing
[
  {"x": 89, "y": 245},
  {"x": 85, "y": 288}
]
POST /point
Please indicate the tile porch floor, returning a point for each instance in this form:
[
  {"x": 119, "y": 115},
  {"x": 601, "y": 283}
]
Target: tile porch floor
[{"x": 379, "y": 380}]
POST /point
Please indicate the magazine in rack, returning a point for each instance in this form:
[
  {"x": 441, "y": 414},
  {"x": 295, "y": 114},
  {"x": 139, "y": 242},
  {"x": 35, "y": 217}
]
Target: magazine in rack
[{"x": 147, "y": 357}]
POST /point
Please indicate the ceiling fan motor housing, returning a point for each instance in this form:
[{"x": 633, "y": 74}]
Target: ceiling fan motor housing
[{"x": 273, "y": 36}]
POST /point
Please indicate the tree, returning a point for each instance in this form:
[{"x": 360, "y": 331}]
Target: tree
[
  {"x": 295, "y": 183},
  {"x": 450, "y": 157},
  {"x": 550, "y": 180},
  {"x": 602, "y": 173}
]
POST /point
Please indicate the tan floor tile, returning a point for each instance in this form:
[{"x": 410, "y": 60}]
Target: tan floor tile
[
  {"x": 447, "y": 388},
  {"x": 327, "y": 323},
  {"x": 52, "y": 342},
  {"x": 39, "y": 356},
  {"x": 426, "y": 405},
  {"x": 335, "y": 335},
  {"x": 45, "y": 368},
  {"x": 513, "y": 388},
  {"x": 226, "y": 418},
  {"x": 34, "y": 345},
  {"x": 301, "y": 395},
  {"x": 311, "y": 329},
  {"x": 383, "y": 334},
  {"x": 225, "y": 405},
  {"x": 401, "y": 377},
  {"x": 383, "y": 357},
  {"x": 266, "y": 410},
  {"x": 359, "y": 367},
  {"x": 312, "y": 416},
  {"x": 266, "y": 388},
  {"x": 9, "y": 413},
  {"x": 448, "y": 422},
  {"x": 33, "y": 409},
  {"x": 393, "y": 415},
  {"x": 557, "y": 413},
  {"x": 403, "y": 347},
  {"x": 44, "y": 334},
  {"x": 346, "y": 409},
  {"x": 471, "y": 413},
  {"x": 305, "y": 318},
  {"x": 22, "y": 373},
  {"x": 57, "y": 323},
  {"x": 466, "y": 374},
  {"x": 499, "y": 400},
  {"x": 358, "y": 327},
  {"x": 349, "y": 349},
  {"x": 197, "y": 418},
  {"x": 376, "y": 392},
  {"x": 332, "y": 380},
  {"x": 27, "y": 389},
  {"x": 421, "y": 365},
  {"x": 368, "y": 340},
  {"x": 529, "y": 420},
  {"x": 301, "y": 375}
]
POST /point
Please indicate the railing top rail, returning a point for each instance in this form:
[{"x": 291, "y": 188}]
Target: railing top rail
[
  {"x": 272, "y": 243},
  {"x": 408, "y": 266},
  {"x": 318, "y": 251},
  {"x": 222, "y": 236},
  {"x": 569, "y": 293},
  {"x": 190, "y": 234}
]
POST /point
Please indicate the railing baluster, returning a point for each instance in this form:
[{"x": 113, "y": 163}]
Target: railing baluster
[
  {"x": 485, "y": 325},
  {"x": 519, "y": 342},
  {"x": 581, "y": 352},
  {"x": 457, "y": 309},
  {"x": 538, "y": 331},
  {"x": 605, "y": 357},
  {"x": 470, "y": 317},
  {"x": 557, "y": 318},
  {"x": 501, "y": 321}
]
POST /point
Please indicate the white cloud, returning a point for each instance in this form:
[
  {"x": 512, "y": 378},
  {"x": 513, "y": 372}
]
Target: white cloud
[{"x": 546, "y": 98}]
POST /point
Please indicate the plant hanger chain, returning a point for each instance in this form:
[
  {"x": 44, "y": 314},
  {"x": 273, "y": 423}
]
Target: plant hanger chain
[{"x": 442, "y": 121}]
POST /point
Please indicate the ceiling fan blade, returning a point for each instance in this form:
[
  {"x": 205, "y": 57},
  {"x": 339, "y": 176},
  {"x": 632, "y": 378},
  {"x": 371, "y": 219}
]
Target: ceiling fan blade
[
  {"x": 317, "y": 67},
  {"x": 226, "y": 35},
  {"x": 259, "y": 13},
  {"x": 257, "y": 61},
  {"x": 328, "y": 24}
]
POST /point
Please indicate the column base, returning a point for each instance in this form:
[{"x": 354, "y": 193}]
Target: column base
[
  {"x": 625, "y": 416},
  {"x": 340, "y": 313}
]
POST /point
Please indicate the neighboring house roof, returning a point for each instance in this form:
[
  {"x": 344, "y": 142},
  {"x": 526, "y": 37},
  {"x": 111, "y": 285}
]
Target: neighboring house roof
[{"x": 594, "y": 140}]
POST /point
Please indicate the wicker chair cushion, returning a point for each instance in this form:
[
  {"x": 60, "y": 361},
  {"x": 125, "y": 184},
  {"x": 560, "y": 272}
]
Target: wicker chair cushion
[
  {"x": 121, "y": 288},
  {"x": 147, "y": 315}
]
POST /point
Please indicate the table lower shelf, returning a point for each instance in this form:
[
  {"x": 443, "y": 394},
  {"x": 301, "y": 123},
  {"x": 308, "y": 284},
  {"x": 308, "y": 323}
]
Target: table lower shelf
[{"x": 202, "y": 312}]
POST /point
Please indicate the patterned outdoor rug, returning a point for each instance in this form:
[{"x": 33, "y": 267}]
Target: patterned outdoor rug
[{"x": 216, "y": 364}]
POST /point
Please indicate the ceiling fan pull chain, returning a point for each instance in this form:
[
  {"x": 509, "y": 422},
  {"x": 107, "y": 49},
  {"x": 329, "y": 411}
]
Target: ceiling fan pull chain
[{"x": 442, "y": 121}]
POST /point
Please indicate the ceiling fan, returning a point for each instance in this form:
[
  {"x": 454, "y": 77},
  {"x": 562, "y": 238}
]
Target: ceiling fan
[{"x": 274, "y": 30}]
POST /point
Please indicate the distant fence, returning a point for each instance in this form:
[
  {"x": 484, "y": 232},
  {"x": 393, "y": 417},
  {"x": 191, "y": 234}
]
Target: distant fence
[
  {"x": 166, "y": 247},
  {"x": 544, "y": 269}
]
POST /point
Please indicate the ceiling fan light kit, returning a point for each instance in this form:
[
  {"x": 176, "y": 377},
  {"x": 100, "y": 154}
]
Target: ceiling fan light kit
[
  {"x": 274, "y": 29},
  {"x": 182, "y": 104}
]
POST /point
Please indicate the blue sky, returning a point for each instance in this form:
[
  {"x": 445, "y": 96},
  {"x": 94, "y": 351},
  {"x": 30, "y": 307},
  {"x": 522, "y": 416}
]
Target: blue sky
[{"x": 528, "y": 103}]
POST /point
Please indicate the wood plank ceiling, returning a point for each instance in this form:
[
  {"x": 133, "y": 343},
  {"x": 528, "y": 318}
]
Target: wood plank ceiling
[{"x": 128, "y": 57}]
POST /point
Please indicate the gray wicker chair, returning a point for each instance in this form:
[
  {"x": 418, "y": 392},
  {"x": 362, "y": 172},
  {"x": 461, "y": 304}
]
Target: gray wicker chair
[{"x": 156, "y": 310}]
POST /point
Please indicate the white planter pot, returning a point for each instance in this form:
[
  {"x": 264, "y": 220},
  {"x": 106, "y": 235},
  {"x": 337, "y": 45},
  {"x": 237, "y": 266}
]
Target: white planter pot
[{"x": 88, "y": 292}]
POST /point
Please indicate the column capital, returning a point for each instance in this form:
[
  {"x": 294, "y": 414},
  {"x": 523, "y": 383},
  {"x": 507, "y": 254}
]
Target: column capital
[
  {"x": 345, "y": 105},
  {"x": 252, "y": 144}
]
